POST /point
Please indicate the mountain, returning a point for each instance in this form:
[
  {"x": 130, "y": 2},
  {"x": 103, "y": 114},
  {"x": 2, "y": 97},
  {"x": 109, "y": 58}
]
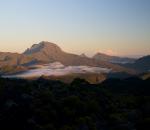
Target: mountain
[
  {"x": 142, "y": 64},
  {"x": 113, "y": 59},
  {"x": 14, "y": 62},
  {"x": 7, "y": 58},
  {"x": 45, "y": 53}
]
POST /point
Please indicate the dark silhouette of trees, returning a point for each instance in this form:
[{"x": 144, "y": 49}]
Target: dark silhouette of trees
[{"x": 53, "y": 105}]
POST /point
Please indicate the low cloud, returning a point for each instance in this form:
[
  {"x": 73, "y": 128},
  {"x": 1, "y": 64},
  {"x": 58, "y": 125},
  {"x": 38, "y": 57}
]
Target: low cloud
[{"x": 57, "y": 69}]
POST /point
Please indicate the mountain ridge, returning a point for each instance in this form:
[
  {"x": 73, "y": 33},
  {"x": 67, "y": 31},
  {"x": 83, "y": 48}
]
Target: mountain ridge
[
  {"x": 142, "y": 64},
  {"x": 113, "y": 59},
  {"x": 47, "y": 52}
]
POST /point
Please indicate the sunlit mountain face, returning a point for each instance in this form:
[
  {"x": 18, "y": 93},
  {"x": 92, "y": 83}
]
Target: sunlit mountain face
[
  {"x": 48, "y": 60},
  {"x": 45, "y": 53},
  {"x": 58, "y": 69}
]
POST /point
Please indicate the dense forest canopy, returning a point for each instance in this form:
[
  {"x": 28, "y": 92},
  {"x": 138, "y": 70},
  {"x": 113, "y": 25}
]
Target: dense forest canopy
[{"x": 52, "y": 105}]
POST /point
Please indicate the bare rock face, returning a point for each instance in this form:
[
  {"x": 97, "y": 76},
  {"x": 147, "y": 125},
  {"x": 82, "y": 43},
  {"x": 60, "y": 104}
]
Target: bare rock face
[
  {"x": 13, "y": 62},
  {"x": 44, "y": 46},
  {"x": 45, "y": 52},
  {"x": 13, "y": 59}
]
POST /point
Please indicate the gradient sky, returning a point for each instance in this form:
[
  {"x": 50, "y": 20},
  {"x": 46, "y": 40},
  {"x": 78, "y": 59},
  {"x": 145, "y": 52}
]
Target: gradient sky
[{"x": 117, "y": 27}]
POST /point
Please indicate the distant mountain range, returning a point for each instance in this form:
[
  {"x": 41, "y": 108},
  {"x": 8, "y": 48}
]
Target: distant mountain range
[
  {"x": 113, "y": 59},
  {"x": 142, "y": 64},
  {"x": 46, "y": 53}
]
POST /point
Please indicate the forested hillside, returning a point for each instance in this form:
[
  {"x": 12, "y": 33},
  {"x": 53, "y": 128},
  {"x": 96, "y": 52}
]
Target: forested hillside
[{"x": 53, "y": 105}]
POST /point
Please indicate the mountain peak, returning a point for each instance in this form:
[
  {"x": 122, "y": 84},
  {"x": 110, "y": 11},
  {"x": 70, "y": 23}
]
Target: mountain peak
[
  {"x": 46, "y": 43},
  {"x": 43, "y": 45}
]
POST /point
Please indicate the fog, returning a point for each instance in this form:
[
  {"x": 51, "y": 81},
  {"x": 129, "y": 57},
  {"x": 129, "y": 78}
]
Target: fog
[{"x": 58, "y": 69}]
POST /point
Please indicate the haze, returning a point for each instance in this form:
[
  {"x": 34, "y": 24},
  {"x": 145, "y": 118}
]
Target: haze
[{"x": 116, "y": 27}]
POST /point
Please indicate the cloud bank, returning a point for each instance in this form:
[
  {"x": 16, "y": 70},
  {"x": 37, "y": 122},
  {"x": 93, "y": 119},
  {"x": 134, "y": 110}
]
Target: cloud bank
[{"x": 58, "y": 69}]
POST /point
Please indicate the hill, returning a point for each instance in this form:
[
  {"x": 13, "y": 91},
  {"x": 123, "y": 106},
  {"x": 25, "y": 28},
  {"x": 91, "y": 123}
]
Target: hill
[
  {"x": 113, "y": 59},
  {"x": 142, "y": 64}
]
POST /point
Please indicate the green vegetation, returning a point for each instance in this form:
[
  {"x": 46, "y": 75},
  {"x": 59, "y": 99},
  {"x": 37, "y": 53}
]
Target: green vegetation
[{"x": 53, "y": 105}]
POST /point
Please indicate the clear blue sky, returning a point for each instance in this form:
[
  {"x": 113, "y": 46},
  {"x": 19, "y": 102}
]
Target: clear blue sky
[{"x": 120, "y": 27}]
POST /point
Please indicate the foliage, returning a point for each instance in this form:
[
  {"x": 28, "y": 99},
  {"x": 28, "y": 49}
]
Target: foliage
[{"x": 53, "y": 105}]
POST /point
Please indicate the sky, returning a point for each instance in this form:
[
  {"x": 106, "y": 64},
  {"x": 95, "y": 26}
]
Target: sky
[{"x": 115, "y": 27}]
